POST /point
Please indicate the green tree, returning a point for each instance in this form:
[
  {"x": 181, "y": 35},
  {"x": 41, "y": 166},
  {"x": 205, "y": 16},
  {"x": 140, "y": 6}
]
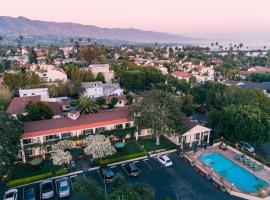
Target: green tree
[
  {"x": 86, "y": 106},
  {"x": 32, "y": 56},
  {"x": 88, "y": 76},
  {"x": 38, "y": 111},
  {"x": 87, "y": 189},
  {"x": 244, "y": 122},
  {"x": 100, "y": 101},
  {"x": 5, "y": 97},
  {"x": 187, "y": 106},
  {"x": 113, "y": 102},
  {"x": 100, "y": 77},
  {"x": 10, "y": 132},
  {"x": 161, "y": 112}
]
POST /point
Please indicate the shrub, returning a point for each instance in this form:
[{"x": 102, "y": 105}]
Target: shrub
[
  {"x": 61, "y": 171},
  {"x": 123, "y": 158},
  {"x": 22, "y": 181}
]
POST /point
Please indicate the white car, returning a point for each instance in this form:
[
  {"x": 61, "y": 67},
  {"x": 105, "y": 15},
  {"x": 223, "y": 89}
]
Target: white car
[
  {"x": 46, "y": 189},
  {"x": 11, "y": 194},
  {"x": 165, "y": 160},
  {"x": 63, "y": 187}
]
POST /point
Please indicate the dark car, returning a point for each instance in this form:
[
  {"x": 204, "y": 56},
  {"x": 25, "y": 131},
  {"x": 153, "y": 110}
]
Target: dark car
[
  {"x": 132, "y": 169},
  {"x": 46, "y": 189},
  {"x": 106, "y": 174},
  {"x": 246, "y": 146},
  {"x": 29, "y": 194}
]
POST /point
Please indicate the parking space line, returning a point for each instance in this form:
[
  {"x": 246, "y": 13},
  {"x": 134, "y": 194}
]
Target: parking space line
[
  {"x": 147, "y": 164},
  {"x": 124, "y": 169},
  {"x": 100, "y": 177}
]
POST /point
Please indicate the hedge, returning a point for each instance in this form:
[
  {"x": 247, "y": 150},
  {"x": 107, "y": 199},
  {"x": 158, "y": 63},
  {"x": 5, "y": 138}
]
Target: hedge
[
  {"x": 27, "y": 180},
  {"x": 62, "y": 171},
  {"x": 123, "y": 158}
]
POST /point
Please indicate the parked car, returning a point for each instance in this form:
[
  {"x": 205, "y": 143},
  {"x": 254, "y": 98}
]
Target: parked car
[
  {"x": 246, "y": 146},
  {"x": 63, "y": 187},
  {"x": 46, "y": 189},
  {"x": 11, "y": 194},
  {"x": 132, "y": 169},
  {"x": 29, "y": 193},
  {"x": 106, "y": 174},
  {"x": 165, "y": 160}
]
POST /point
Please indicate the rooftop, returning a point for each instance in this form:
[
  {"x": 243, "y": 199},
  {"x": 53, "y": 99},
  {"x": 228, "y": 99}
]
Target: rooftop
[
  {"x": 182, "y": 74},
  {"x": 51, "y": 126}
]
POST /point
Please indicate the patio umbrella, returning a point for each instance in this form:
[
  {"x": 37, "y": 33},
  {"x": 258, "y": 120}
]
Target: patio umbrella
[
  {"x": 35, "y": 161},
  {"x": 119, "y": 145}
]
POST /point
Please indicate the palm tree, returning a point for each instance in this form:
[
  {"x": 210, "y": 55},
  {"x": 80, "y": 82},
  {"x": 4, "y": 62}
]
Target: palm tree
[{"x": 86, "y": 106}]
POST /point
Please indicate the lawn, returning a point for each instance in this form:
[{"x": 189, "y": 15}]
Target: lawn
[
  {"x": 150, "y": 144},
  {"x": 25, "y": 170},
  {"x": 130, "y": 148}
]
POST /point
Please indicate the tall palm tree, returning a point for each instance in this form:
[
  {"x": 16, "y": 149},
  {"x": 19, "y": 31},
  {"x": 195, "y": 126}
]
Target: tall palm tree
[{"x": 86, "y": 106}]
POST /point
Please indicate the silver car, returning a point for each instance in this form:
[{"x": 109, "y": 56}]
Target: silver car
[
  {"x": 46, "y": 189},
  {"x": 11, "y": 194},
  {"x": 63, "y": 187}
]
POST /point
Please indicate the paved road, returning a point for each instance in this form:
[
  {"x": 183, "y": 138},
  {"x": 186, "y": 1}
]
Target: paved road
[{"x": 179, "y": 181}]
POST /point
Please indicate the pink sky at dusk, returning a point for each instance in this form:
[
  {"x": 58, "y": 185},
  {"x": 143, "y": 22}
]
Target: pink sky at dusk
[{"x": 233, "y": 19}]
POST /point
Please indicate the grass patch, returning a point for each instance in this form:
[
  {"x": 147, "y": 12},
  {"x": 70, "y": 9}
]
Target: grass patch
[
  {"x": 130, "y": 148},
  {"x": 150, "y": 144},
  {"x": 120, "y": 159},
  {"x": 22, "y": 181}
]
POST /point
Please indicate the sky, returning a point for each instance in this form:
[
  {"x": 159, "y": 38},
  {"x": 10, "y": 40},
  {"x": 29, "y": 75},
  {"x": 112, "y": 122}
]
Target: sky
[{"x": 213, "y": 19}]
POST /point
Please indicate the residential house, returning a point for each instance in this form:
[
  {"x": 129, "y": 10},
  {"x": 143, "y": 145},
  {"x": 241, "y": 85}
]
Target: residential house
[
  {"x": 99, "y": 89},
  {"x": 42, "y": 92},
  {"x": 182, "y": 75},
  {"x": 49, "y": 73},
  {"x": 18, "y": 106},
  {"x": 104, "y": 69},
  {"x": 254, "y": 70}
]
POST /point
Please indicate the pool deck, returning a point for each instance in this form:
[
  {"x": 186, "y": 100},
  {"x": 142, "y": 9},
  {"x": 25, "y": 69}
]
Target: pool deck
[{"x": 230, "y": 153}]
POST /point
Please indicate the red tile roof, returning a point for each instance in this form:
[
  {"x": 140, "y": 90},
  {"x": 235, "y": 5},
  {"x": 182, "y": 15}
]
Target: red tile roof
[
  {"x": 182, "y": 74},
  {"x": 51, "y": 126},
  {"x": 17, "y": 105}
]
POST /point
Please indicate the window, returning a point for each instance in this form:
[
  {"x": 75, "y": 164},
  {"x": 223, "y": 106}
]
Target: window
[
  {"x": 118, "y": 126},
  {"x": 28, "y": 152},
  {"x": 128, "y": 125},
  {"x": 120, "y": 102},
  {"x": 184, "y": 139},
  {"x": 198, "y": 136},
  {"x": 48, "y": 149},
  {"x": 88, "y": 131},
  {"x": 66, "y": 135},
  {"x": 51, "y": 137},
  {"x": 27, "y": 141},
  {"x": 100, "y": 129}
]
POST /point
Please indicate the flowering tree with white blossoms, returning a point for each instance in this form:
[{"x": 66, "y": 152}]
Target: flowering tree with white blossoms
[
  {"x": 98, "y": 146},
  {"x": 63, "y": 145},
  {"x": 59, "y": 155}
]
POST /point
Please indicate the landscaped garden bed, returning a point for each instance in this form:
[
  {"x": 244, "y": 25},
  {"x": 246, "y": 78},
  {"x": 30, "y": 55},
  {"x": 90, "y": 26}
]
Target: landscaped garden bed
[{"x": 23, "y": 173}]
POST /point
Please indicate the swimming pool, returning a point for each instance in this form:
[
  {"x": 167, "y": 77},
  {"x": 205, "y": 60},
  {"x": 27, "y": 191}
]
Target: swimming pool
[{"x": 237, "y": 175}]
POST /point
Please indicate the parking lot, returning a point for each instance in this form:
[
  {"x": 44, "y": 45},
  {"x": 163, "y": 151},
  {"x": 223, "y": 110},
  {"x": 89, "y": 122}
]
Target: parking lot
[{"x": 179, "y": 181}]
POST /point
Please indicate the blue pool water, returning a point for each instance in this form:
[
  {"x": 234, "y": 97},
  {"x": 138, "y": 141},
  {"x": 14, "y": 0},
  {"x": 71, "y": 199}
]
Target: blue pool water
[{"x": 237, "y": 175}]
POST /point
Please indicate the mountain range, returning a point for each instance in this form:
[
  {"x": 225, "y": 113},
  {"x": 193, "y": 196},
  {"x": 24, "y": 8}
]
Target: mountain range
[{"x": 21, "y": 25}]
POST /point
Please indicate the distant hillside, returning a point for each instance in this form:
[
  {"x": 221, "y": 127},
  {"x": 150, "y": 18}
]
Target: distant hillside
[{"x": 22, "y": 25}]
